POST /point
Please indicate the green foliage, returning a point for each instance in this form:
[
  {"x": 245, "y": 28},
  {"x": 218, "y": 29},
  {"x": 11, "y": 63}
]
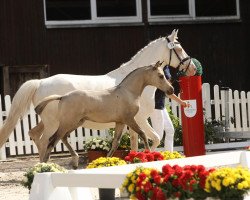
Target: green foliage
[
  {"x": 125, "y": 139},
  {"x": 40, "y": 168},
  {"x": 211, "y": 129}
]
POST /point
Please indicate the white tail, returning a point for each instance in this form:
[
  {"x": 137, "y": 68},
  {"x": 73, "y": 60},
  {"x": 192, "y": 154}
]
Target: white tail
[{"x": 20, "y": 104}]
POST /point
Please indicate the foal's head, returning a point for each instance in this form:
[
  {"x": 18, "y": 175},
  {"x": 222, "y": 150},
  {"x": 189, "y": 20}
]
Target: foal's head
[{"x": 158, "y": 79}]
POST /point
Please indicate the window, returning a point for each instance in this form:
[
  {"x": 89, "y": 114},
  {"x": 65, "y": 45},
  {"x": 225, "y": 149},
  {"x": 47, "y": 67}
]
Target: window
[
  {"x": 68, "y": 13},
  {"x": 192, "y": 10}
]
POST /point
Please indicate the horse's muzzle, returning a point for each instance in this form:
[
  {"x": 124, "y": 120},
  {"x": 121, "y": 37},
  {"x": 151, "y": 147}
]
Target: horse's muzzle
[{"x": 170, "y": 91}]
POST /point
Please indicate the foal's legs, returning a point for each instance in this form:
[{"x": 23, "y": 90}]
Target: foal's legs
[
  {"x": 74, "y": 155},
  {"x": 133, "y": 139},
  {"x": 66, "y": 126},
  {"x": 133, "y": 124},
  {"x": 118, "y": 133}
]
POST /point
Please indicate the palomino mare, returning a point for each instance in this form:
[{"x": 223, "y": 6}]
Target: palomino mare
[
  {"x": 165, "y": 49},
  {"x": 117, "y": 104}
]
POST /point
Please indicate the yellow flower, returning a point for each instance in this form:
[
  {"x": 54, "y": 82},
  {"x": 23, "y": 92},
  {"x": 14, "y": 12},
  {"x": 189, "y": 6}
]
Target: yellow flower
[
  {"x": 125, "y": 183},
  {"x": 240, "y": 186},
  {"x": 131, "y": 187},
  {"x": 106, "y": 162},
  {"x": 167, "y": 155},
  {"x": 207, "y": 186},
  {"x": 226, "y": 182},
  {"x": 132, "y": 197},
  {"x": 133, "y": 179},
  {"x": 218, "y": 187}
]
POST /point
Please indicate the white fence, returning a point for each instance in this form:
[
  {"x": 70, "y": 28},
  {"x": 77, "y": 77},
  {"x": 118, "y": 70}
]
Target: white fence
[{"x": 19, "y": 142}]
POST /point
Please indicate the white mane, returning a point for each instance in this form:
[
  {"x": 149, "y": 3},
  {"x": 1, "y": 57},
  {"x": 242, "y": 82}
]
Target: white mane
[{"x": 136, "y": 61}]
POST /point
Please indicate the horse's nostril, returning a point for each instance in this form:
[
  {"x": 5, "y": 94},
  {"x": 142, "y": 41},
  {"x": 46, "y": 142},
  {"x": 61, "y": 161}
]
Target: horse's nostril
[{"x": 170, "y": 91}]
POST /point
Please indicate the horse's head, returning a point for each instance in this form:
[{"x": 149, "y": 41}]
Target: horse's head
[
  {"x": 159, "y": 80},
  {"x": 178, "y": 58}
]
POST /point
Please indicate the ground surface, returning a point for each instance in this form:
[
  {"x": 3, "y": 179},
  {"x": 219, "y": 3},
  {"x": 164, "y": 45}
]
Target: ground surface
[{"x": 12, "y": 170}]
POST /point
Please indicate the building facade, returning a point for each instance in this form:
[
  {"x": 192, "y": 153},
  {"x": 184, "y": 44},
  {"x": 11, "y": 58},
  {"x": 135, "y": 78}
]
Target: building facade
[{"x": 96, "y": 36}]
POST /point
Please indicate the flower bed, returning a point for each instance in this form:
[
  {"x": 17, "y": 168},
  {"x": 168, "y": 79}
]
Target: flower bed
[
  {"x": 186, "y": 182},
  {"x": 148, "y": 156},
  {"x": 106, "y": 162}
]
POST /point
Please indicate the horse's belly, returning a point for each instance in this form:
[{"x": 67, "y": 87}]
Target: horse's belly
[{"x": 98, "y": 126}]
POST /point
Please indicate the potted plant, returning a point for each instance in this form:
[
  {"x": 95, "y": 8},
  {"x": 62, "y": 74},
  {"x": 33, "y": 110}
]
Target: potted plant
[
  {"x": 40, "y": 168},
  {"x": 171, "y": 183},
  {"x": 188, "y": 182},
  {"x": 99, "y": 147},
  {"x": 228, "y": 183}
]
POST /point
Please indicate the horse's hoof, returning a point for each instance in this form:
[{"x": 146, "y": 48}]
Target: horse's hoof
[
  {"x": 75, "y": 167},
  {"x": 74, "y": 162}
]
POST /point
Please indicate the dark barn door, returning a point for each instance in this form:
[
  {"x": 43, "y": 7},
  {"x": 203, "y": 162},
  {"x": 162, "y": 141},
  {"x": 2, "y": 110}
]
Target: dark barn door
[{"x": 14, "y": 76}]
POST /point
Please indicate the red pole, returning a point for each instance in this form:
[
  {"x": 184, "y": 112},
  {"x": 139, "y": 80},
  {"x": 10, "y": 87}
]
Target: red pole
[{"x": 192, "y": 116}]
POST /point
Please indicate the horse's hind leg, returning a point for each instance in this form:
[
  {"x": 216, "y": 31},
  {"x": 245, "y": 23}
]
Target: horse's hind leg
[
  {"x": 133, "y": 124},
  {"x": 36, "y": 132},
  {"x": 118, "y": 133},
  {"x": 74, "y": 155},
  {"x": 66, "y": 126},
  {"x": 53, "y": 140}
]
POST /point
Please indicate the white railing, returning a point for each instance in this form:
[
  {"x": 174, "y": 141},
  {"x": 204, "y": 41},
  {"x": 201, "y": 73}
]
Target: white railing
[
  {"x": 214, "y": 109},
  {"x": 19, "y": 142}
]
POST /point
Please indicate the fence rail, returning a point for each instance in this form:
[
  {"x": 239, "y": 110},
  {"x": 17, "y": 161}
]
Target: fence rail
[{"x": 19, "y": 142}]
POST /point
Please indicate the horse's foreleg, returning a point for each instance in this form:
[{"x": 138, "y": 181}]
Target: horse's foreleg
[
  {"x": 133, "y": 124},
  {"x": 151, "y": 133},
  {"x": 118, "y": 133},
  {"x": 74, "y": 155},
  {"x": 133, "y": 139}
]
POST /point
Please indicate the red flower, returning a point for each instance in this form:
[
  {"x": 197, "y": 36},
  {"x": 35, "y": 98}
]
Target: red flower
[
  {"x": 178, "y": 170},
  {"x": 140, "y": 196},
  {"x": 149, "y": 157},
  {"x": 177, "y": 194},
  {"x": 148, "y": 186},
  {"x": 128, "y": 159},
  {"x": 167, "y": 169},
  {"x": 166, "y": 178},
  {"x": 158, "y": 156},
  {"x": 157, "y": 179},
  {"x": 142, "y": 176},
  {"x": 160, "y": 195},
  {"x": 154, "y": 173},
  {"x": 155, "y": 191},
  {"x": 146, "y": 151},
  {"x": 176, "y": 183},
  {"x": 201, "y": 168}
]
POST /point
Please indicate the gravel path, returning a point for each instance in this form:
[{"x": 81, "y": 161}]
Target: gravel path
[{"x": 12, "y": 170}]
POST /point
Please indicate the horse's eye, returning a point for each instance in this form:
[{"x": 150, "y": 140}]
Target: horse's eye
[{"x": 161, "y": 76}]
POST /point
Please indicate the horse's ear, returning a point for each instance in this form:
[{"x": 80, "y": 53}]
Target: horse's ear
[
  {"x": 173, "y": 35},
  {"x": 158, "y": 64}
]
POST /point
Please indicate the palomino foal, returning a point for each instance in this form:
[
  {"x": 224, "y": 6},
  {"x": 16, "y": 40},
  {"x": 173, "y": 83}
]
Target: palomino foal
[{"x": 118, "y": 104}]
